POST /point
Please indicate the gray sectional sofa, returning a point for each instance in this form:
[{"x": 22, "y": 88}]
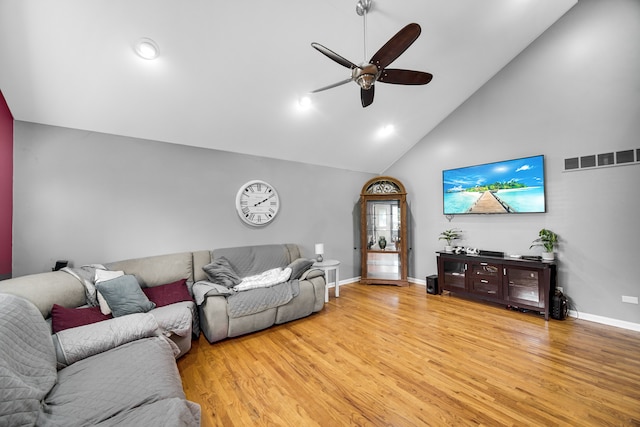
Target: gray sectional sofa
[
  {"x": 60, "y": 378},
  {"x": 136, "y": 383},
  {"x": 120, "y": 371},
  {"x": 70, "y": 288}
]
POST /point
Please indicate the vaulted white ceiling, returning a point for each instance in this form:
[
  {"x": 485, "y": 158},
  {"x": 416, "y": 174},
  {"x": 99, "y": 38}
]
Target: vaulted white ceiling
[{"x": 230, "y": 73}]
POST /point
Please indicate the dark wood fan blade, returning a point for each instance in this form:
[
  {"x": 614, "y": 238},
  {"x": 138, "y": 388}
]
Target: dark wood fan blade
[
  {"x": 366, "y": 96},
  {"x": 332, "y": 55},
  {"x": 404, "y": 77},
  {"x": 332, "y": 85},
  {"x": 396, "y": 45}
]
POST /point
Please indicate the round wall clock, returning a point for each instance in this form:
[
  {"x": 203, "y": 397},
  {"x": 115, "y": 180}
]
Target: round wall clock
[{"x": 257, "y": 203}]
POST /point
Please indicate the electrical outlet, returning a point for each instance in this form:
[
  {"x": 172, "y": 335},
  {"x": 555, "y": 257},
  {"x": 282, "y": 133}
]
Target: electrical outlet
[
  {"x": 560, "y": 289},
  {"x": 630, "y": 300}
]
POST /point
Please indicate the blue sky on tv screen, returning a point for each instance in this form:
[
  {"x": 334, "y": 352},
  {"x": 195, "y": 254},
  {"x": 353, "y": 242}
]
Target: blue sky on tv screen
[{"x": 528, "y": 171}]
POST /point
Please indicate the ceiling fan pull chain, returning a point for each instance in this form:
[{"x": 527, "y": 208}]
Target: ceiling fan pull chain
[
  {"x": 364, "y": 18},
  {"x": 362, "y": 7}
]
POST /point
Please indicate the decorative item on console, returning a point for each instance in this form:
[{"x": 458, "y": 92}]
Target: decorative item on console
[
  {"x": 450, "y": 235},
  {"x": 548, "y": 240},
  {"x": 462, "y": 250}
]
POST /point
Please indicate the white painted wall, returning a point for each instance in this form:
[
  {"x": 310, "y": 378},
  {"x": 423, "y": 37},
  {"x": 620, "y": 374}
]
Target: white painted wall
[
  {"x": 95, "y": 198},
  {"x": 575, "y": 91}
]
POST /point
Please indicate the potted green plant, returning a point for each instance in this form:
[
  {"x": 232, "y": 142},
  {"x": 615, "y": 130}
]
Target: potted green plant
[
  {"x": 548, "y": 240},
  {"x": 450, "y": 236}
]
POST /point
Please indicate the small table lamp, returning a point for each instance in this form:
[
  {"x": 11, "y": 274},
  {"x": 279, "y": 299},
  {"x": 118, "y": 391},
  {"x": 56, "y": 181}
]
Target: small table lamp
[{"x": 319, "y": 251}]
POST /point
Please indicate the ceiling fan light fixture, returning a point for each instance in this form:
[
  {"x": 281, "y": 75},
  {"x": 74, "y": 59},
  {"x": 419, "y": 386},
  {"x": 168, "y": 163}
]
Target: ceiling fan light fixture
[
  {"x": 365, "y": 75},
  {"x": 365, "y": 81},
  {"x": 147, "y": 49}
]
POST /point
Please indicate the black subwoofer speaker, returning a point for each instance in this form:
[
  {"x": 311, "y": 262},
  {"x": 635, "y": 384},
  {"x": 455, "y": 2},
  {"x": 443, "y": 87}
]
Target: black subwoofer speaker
[
  {"x": 432, "y": 284},
  {"x": 559, "y": 307}
]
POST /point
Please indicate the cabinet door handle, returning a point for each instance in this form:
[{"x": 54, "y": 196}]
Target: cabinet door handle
[
  {"x": 465, "y": 266},
  {"x": 484, "y": 281},
  {"x": 484, "y": 263},
  {"x": 504, "y": 271}
]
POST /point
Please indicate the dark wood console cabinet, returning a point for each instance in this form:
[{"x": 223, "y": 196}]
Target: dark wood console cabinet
[{"x": 513, "y": 282}]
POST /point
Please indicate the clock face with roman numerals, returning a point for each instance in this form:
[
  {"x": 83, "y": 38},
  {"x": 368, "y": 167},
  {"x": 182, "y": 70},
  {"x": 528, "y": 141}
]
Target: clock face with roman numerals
[{"x": 257, "y": 203}]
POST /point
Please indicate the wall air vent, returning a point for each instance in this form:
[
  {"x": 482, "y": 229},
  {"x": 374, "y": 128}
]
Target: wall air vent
[
  {"x": 572, "y": 163},
  {"x": 625, "y": 156},
  {"x": 605, "y": 159},
  {"x": 588, "y": 161},
  {"x": 595, "y": 161}
]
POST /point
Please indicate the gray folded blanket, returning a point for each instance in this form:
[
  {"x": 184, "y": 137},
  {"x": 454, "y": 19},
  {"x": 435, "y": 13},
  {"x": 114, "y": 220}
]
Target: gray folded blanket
[
  {"x": 256, "y": 300},
  {"x": 79, "y": 343},
  {"x": 244, "y": 303}
]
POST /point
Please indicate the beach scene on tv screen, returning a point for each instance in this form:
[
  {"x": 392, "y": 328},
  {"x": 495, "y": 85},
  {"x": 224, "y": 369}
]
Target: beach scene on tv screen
[{"x": 510, "y": 186}]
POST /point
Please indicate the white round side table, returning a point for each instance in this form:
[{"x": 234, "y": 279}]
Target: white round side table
[{"x": 327, "y": 266}]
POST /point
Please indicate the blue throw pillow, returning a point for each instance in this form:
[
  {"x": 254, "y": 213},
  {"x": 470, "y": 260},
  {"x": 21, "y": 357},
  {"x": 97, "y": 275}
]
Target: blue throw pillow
[{"x": 124, "y": 296}]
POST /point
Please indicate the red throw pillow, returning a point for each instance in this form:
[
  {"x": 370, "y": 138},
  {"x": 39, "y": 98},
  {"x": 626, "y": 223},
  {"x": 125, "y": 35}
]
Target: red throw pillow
[
  {"x": 168, "y": 294},
  {"x": 64, "y": 318}
]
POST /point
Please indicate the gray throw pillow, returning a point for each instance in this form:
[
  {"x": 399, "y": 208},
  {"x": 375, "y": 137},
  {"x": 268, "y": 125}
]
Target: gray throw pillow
[
  {"x": 221, "y": 272},
  {"x": 299, "y": 266},
  {"x": 124, "y": 296}
]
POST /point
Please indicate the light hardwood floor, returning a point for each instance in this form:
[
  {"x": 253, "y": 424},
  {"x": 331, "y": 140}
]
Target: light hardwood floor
[{"x": 391, "y": 356}]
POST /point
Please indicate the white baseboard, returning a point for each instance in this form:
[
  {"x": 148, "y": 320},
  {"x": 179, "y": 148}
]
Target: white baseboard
[
  {"x": 605, "y": 320},
  {"x": 346, "y": 282},
  {"x": 572, "y": 313}
]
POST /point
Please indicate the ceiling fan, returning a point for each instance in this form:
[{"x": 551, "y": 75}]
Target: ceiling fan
[{"x": 367, "y": 73}]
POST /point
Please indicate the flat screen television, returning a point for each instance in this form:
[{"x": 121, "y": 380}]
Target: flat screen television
[{"x": 505, "y": 187}]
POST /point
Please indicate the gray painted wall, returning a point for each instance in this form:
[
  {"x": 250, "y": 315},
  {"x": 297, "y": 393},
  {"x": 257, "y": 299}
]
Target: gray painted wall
[
  {"x": 575, "y": 91},
  {"x": 95, "y": 198}
]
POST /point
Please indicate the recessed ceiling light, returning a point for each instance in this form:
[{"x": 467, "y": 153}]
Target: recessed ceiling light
[
  {"x": 304, "y": 102},
  {"x": 147, "y": 48},
  {"x": 385, "y": 131}
]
